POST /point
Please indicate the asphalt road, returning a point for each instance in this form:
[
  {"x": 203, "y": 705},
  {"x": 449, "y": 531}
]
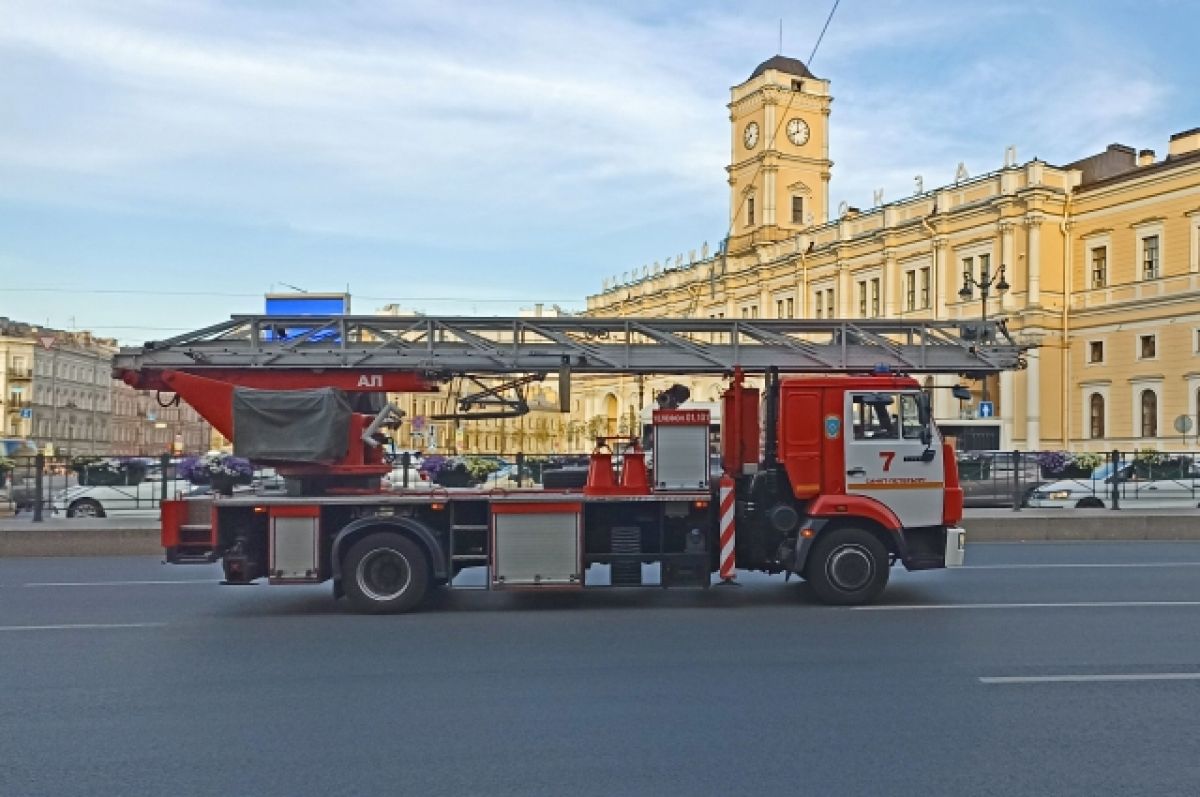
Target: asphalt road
[{"x": 123, "y": 676}]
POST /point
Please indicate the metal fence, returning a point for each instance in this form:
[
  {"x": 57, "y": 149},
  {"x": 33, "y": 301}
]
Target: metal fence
[
  {"x": 1054, "y": 479},
  {"x": 45, "y": 486}
]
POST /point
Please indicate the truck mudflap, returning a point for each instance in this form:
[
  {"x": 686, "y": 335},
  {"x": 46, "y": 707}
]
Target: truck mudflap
[{"x": 956, "y": 546}]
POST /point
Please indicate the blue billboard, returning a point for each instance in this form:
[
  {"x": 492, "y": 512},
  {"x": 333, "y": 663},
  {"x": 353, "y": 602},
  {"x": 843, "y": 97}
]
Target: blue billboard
[{"x": 294, "y": 304}]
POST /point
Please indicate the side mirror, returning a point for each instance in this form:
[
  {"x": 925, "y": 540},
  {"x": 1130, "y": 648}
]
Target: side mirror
[
  {"x": 924, "y": 412},
  {"x": 961, "y": 393}
]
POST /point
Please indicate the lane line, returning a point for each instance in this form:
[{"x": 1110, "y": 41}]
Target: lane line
[
  {"x": 911, "y": 607},
  {"x": 80, "y": 626},
  {"x": 1051, "y": 566},
  {"x": 118, "y": 583},
  {"x": 1071, "y": 679}
]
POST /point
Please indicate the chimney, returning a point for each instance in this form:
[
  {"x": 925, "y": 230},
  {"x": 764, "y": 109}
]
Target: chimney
[
  {"x": 1184, "y": 143},
  {"x": 1145, "y": 157}
]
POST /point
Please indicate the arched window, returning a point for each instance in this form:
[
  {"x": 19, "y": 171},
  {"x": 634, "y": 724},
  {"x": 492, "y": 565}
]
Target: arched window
[
  {"x": 1096, "y": 415},
  {"x": 1149, "y": 413}
]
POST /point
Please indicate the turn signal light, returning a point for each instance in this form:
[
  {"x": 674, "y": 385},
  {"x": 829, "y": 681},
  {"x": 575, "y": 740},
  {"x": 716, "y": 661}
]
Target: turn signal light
[
  {"x": 700, "y": 504},
  {"x": 260, "y": 510},
  {"x": 437, "y": 507},
  {"x": 808, "y": 534}
]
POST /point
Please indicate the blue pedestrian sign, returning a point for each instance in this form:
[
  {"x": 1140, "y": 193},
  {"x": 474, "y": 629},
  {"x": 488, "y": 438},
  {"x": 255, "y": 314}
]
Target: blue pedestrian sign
[
  {"x": 26, "y": 412},
  {"x": 986, "y": 409}
]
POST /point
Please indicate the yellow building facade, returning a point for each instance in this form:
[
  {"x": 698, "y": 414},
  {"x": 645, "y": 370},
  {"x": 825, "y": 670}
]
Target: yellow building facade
[{"x": 1101, "y": 257}]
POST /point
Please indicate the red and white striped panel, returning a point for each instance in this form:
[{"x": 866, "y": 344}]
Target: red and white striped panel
[{"x": 728, "y": 562}]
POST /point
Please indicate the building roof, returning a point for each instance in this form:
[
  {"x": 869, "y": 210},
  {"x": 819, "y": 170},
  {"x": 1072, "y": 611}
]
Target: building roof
[{"x": 792, "y": 66}]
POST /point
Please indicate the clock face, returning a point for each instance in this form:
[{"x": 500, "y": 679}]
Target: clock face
[
  {"x": 750, "y": 136},
  {"x": 797, "y": 131}
]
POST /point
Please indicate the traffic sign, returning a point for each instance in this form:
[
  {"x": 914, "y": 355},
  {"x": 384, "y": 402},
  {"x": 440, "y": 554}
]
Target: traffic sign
[
  {"x": 26, "y": 412},
  {"x": 47, "y": 342},
  {"x": 418, "y": 423},
  {"x": 986, "y": 409}
]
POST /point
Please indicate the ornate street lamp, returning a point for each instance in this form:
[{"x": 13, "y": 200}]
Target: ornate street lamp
[{"x": 986, "y": 281}]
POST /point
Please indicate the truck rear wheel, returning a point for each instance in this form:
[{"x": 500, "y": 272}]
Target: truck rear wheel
[
  {"x": 385, "y": 573},
  {"x": 847, "y": 567}
]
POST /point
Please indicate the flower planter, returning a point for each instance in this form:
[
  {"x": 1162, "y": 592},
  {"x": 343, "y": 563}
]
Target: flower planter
[{"x": 1069, "y": 472}]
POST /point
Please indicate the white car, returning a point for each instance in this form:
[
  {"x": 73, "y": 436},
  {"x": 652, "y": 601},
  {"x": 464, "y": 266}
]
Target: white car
[
  {"x": 417, "y": 480},
  {"x": 94, "y": 501},
  {"x": 1177, "y": 491}
]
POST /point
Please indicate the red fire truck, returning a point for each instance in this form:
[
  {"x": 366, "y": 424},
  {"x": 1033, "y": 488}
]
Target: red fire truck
[{"x": 833, "y": 469}]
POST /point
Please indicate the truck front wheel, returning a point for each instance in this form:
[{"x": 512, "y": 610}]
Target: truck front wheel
[
  {"x": 385, "y": 573},
  {"x": 848, "y": 567}
]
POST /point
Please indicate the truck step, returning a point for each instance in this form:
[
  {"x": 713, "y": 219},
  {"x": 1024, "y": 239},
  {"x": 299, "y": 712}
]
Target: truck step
[{"x": 469, "y": 527}]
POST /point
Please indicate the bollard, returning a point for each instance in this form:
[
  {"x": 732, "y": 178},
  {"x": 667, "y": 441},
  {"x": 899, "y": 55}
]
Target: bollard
[
  {"x": 520, "y": 468},
  {"x": 39, "y": 486},
  {"x": 1018, "y": 493},
  {"x": 1115, "y": 458},
  {"x": 405, "y": 464}
]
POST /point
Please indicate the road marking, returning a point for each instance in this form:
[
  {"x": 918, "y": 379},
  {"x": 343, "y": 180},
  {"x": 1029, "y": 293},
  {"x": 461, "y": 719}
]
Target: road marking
[
  {"x": 118, "y": 583},
  {"x": 1071, "y": 679},
  {"x": 79, "y": 626},
  {"x": 1081, "y": 605},
  {"x": 1048, "y": 565}
]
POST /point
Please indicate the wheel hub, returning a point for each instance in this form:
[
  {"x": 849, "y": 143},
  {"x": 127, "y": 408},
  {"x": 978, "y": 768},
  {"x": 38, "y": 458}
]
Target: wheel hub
[
  {"x": 850, "y": 568},
  {"x": 383, "y": 574}
]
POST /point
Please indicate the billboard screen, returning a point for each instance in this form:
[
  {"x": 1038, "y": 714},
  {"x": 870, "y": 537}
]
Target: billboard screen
[{"x": 293, "y": 304}]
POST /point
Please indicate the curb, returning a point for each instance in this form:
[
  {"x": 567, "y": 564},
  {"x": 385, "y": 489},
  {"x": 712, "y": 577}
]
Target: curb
[
  {"x": 80, "y": 542},
  {"x": 145, "y": 541}
]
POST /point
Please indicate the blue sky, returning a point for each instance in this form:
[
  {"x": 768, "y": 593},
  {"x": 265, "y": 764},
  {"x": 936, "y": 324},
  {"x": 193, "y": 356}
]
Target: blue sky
[{"x": 163, "y": 164}]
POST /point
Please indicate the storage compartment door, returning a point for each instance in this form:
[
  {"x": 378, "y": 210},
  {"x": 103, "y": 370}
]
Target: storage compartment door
[
  {"x": 536, "y": 547},
  {"x": 295, "y": 546}
]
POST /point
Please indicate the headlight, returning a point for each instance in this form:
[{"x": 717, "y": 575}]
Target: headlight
[{"x": 1059, "y": 495}]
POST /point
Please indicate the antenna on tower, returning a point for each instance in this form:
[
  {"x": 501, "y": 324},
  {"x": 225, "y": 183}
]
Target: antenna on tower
[{"x": 780, "y": 37}]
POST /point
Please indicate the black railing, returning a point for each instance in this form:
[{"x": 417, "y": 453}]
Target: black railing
[{"x": 1053, "y": 479}]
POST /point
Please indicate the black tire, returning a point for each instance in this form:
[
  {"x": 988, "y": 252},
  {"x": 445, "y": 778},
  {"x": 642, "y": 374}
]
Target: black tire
[
  {"x": 847, "y": 567},
  {"x": 1090, "y": 503},
  {"x": 85, "y": 507},
  {"x": 385, "y": 573}
]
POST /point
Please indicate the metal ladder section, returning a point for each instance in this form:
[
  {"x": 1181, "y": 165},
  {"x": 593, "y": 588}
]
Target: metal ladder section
[
  {"x": 473, "y": 555},
  {"x": 444, "y": 346}
]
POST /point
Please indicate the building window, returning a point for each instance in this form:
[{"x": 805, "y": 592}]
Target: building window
[
  {"x": 819, "y": 305},
  {"x": 791, "y": 307},
  {"x": 1147, "y": 346},
  {"x": 862, "y": 298},
  {"x": 1149, "y": 413},
  {"x": 797, "y": 210},
  {"x": 1096, "y": 351},
  {"x": 968, "y": 264},
  {"x": 1150, "y": 257},
  {"x": 779, "y": 308},
  {"x": 1099, "y": 266},
  {"x": 910, "y": 290},
  {"x": 925, "y": 288},
  {"x": 749, "y": 211},
  {"x": 875, "y": 297},
  {"x": 829, "y": 302},
  {"x": 1096, "y": 416}
]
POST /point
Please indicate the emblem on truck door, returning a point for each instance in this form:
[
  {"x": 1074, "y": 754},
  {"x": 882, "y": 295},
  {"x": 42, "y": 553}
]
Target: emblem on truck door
[{"x": 833, "y": 426}]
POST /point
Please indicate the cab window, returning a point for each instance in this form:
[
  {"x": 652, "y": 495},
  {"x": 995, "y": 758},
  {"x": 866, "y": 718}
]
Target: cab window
[
  {"x": 910, "y": 417},
  {"x": 875, "y": 416}
]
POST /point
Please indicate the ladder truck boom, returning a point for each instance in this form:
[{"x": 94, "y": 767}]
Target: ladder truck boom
[{"x": 832, "y": 470}]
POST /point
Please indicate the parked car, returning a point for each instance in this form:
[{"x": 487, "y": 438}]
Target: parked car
[
  {"x": 1173, "y": 488},
  {"x": 417, "y": 479},
  {"x": 102, "y": 501},
  {"x": 995, "y": 478}
]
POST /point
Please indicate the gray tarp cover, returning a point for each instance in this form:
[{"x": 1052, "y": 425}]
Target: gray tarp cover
[{"x": 296, "y": 425}]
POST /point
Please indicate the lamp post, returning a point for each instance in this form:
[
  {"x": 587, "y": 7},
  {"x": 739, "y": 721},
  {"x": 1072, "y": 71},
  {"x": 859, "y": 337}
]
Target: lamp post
[{"x": 985, "y": 282}]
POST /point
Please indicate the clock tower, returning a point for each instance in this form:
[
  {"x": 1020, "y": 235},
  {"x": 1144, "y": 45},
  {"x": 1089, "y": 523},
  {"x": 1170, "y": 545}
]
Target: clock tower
[{"x": 779, "y": 169}]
